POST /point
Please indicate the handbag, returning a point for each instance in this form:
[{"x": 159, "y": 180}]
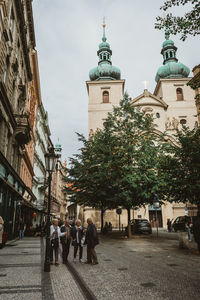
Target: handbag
[
  {"x": 55, "y": 243},
  {"x": 74, "y": 243}
]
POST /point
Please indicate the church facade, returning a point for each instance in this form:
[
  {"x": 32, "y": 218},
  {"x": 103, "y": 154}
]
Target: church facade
[{"x": 172, "y": 104}]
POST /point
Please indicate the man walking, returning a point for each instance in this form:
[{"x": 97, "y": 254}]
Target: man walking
[
  {"x": 65, "y": 240},
  {"x": 91, "y": 241}
]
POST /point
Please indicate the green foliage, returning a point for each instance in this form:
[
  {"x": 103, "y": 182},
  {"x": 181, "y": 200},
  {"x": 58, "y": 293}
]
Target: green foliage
[
  {"x": 189, "y": 24},
  {"x": 117, "y": 165},
  {"x": 180, "y": 167}
]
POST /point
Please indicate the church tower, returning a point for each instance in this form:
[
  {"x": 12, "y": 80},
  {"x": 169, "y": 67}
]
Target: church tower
[{"x": 105, "y": 88}]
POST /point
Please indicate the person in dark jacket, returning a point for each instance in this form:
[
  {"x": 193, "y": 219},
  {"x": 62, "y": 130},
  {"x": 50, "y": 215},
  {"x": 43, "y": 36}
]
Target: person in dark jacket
[
  {"x": 65, "y": 240},
  {"x": 91, "y": 241},
  {"x": 196, "y": 231},
  {"x": 78, "y": 239},
  {"x": 22, "y": 228}
]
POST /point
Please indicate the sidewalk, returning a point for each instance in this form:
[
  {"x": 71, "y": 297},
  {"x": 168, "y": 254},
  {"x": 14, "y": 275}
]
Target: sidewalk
[{"x": 22, "y": 276}]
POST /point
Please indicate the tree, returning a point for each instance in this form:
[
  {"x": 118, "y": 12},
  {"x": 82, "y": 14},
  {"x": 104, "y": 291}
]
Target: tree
[
  {"x": 181, "y": 167},
  {"x": 117, "y": 165},
  {"x": 89, "y": 183},
  {"x": 189, "y": 24},
  {"x": 136, "y": 154}
]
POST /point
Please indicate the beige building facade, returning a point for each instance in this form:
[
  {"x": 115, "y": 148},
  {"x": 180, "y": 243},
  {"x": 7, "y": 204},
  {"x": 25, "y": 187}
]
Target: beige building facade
[{"x": 172, "y": 105}]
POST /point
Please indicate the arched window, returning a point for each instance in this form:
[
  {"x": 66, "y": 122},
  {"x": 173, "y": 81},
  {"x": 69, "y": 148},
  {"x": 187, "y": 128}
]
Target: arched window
[
  {"x": 179, "y": 94},
  {"x": 166, "y": 55},
  {"x": 171, "y": 55},
  {"x": 183, "y": 121},
  {"x": 105, "y": 97}
]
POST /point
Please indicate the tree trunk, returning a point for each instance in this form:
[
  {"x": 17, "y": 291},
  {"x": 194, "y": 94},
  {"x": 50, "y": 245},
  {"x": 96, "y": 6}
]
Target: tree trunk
[
  {"x": 102, "y": 217},
  {"x": 129, "y": 225}
]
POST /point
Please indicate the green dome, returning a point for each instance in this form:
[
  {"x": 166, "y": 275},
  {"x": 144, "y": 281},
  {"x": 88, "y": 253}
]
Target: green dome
[
  {"x": 58, "y": 147},
  {"x": 167, "y": 43},
  {"x": 172, "y": 70},
  {"x": 171, "y": 67},
  {"x": 105, "y": 71},
  {"x": 104, "y": 45}
]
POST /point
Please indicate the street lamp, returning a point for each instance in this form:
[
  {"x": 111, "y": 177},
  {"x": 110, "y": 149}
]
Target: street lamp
[
  {"x": 50, "y": 161},
  {"x": 156, "y": 205}
]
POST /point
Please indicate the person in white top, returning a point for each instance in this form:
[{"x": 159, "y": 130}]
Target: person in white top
[{"x": 55, "y": 234}]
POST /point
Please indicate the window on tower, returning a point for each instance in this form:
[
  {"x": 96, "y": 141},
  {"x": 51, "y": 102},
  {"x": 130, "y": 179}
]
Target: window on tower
[
  {"x": 105, "y": 97},
  {"x": 171, "y": 55},
  {"x": 166, "y": 55},
  {"x": 179, "y": 94}
]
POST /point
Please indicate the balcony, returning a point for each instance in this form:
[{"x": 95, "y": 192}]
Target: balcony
[{"x": 22, "y": 132}]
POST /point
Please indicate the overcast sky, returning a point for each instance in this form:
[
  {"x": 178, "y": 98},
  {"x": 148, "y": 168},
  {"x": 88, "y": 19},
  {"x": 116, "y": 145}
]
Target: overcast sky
[{"x": 68, "y": 33}]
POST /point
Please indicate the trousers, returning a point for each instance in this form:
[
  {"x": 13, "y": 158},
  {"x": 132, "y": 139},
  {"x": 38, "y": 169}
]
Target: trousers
[
  {"x": 65, "y": 250},
  {"x": 80, "y": 251},
  {"x": 91, "y": 253},
  {"x": 55, "y": 250}
]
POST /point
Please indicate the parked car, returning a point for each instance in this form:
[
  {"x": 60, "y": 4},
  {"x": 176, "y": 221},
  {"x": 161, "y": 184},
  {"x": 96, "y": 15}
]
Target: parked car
[
  {"x": 140, "y": 226},
  {"x": 179, "y": 223}
]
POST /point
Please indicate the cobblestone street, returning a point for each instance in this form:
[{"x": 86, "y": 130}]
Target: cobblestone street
[{"x": 141, "y": 268}]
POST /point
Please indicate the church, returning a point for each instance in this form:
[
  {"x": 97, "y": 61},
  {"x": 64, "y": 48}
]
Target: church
[{"x": 172, "y": 104}]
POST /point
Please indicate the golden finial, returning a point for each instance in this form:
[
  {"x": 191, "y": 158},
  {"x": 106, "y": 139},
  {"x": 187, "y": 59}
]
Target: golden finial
[{"x": 104, "y": 22}]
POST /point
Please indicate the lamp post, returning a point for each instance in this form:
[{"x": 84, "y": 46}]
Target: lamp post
[
  {"x": 156, "y": 205},
  {"x": 50, "y": 161}
]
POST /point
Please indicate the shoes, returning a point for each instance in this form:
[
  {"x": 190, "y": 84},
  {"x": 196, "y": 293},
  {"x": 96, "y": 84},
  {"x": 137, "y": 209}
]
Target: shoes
[
  {"x": 95, "y": 263},
  {"x": 88, "y": 262},
  {"x": 56, "y": 263},
  {"x": 51, "y": 262},
  {"x": 81, "y": 260}
]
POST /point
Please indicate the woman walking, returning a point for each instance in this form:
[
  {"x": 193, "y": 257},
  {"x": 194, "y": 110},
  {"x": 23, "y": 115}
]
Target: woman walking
[
  {"x": 55, "y": 234},
  {"x": 78, "y": 239}
]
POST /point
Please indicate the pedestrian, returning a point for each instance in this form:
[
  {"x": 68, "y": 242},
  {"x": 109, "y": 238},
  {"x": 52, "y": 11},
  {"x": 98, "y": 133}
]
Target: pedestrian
[
  {"x": 169, "y": 225},
  {"x": 196, "y": 231},
  {"x": 110, "y": 227},
  {"x": 91, "y": 241},
  {"x": 78, "y": 239},
  {"x": 188, "y": 226},
  {"x": 55, "y": 234},
  {"x": 65, "y": 240},
  {"x": 1, "y": 232},
  {"x": 22, "y": 228}
]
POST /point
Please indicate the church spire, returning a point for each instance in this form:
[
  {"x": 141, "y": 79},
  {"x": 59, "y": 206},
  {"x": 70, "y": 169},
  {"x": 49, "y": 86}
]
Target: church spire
[
  {"x": 171, "y": 67},
  {"x": 105, "y": 70},
  {"x": 104, "y": 30}
]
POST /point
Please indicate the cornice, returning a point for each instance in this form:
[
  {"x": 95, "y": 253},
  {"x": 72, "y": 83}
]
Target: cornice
[
  {"x": 20, "y": 15},
  {"x": 36, "y": 77},
  {"x": 31, "y": 22}
]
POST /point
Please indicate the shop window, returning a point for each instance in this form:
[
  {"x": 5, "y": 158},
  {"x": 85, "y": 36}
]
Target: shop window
[
  {"x": 179, "y": 94},
  {"x": 105, "y": 97}
]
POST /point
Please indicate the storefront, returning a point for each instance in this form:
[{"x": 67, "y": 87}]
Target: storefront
[{"x": 11, "y": 194}]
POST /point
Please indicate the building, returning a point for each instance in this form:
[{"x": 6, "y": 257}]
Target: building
[
  {"x": 17, "y": 42},
  {"x": 42, "y": 143},
  {"x": 194, "y": 83},
  {"x": 172, "y": 103},
  {"x": 59, "y": 195}
]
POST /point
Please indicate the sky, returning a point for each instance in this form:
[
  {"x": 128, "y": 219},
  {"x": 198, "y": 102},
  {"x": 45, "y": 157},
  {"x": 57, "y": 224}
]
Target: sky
[{"x": 67, "y": 37}]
